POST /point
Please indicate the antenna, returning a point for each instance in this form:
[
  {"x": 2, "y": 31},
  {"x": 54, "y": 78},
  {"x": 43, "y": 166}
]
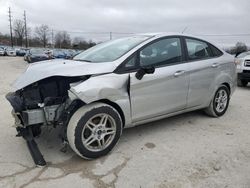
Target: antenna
[{"x": 184, "y": 29}]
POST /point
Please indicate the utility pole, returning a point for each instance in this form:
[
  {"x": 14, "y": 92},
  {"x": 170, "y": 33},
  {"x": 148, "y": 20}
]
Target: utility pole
[
  {"x": 11, "y": 37},
  {"x": 25, "y": 26},
  {"x": 110, "y": 35},
  {"x": 52, "y": 38}
]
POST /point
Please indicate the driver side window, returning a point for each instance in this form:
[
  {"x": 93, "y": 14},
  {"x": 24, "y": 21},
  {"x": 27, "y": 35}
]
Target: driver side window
[{"x": 162, "y": 52}]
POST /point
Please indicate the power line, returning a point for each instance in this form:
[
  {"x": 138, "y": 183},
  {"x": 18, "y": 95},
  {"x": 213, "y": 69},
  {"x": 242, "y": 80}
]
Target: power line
[
  {"x": 95, "y": 32},
  {"x": 225, "y": 35},
  {"x": 11, "y": 37},
  {"x": 83, "y": 32},
  {"x": 129, "y": 33}
]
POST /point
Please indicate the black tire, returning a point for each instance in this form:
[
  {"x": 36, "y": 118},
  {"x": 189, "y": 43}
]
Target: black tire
[
  {"x": 211, "y": 109},
  {"x": 79, "y": 120},
  {"x": 28, "y": 60},
  {"x": 242, "y": 83}
]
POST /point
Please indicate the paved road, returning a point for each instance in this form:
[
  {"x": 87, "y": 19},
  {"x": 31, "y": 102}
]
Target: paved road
[{"x": 190, "y": 150}]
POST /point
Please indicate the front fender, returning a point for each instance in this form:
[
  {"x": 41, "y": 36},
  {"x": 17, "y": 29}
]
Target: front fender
[{"x": 113, "y": 87}]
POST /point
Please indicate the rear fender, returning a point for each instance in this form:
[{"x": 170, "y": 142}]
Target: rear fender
[{"x": 219, "y": 80}]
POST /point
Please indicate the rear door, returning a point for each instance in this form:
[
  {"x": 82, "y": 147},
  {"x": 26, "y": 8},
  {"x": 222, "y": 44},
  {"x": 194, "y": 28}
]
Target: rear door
[{"x": 202, "y": 69}]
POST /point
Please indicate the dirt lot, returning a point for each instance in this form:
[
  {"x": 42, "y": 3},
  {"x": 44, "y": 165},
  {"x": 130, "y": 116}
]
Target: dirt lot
[{"x": 190, "y": 150}]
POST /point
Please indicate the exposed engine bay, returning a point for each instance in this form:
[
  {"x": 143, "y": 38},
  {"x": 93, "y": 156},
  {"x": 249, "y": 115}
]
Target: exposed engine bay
[{"x": 43, "y": 103}]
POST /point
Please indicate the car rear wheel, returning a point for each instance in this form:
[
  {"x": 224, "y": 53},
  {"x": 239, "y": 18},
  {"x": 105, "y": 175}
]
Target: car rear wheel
[
  {"x": 219, "y": 103},
  {"x": 94, "y": 130},
  {"x": 242, "y": 83}
]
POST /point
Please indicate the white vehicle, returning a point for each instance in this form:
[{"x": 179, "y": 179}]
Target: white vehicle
[
  {"x": 10, "y": 51},
  {"x": 243, "y": 68}
]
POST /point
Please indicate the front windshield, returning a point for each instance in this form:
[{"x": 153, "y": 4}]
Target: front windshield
[{"x": 111, "y": 50}]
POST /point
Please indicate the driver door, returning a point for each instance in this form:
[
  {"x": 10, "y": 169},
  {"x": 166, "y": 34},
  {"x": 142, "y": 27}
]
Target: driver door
[{"x": 164, "y": 91}]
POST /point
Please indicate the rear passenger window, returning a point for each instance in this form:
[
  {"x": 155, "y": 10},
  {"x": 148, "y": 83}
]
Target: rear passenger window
[
  {"x": 215, "y": 51},
  {"x": 197, "y": 49}
]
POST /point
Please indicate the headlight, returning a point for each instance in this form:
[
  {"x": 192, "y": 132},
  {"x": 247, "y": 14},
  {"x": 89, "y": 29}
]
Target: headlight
[{"x": 237, "y": 61}]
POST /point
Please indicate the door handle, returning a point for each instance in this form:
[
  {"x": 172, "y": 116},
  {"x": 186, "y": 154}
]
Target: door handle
[
  {"x": 179, "y": 73},
  {"x": 215, "y": 65}
]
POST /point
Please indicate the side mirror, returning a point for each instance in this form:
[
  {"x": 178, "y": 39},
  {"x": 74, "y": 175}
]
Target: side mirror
[{"x": 144, "y": 70}]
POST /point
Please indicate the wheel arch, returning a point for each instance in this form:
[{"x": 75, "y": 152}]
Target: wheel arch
[
  {"x": 226, "y": 80},
  {"x": 115, "y": 106},
  {"x": 228, "y": 86}
]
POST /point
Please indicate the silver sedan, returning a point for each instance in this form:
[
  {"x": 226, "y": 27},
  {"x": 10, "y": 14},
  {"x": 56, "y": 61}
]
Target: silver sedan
[{"x": 118, "y": 84}]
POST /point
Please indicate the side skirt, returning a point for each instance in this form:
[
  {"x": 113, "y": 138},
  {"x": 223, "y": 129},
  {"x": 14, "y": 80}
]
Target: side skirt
[{"x": 167, "y": 115}]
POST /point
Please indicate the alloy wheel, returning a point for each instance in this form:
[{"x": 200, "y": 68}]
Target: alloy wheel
[
  {"x": 221, "y": 100},
  {"x": 99, "y": 132}
]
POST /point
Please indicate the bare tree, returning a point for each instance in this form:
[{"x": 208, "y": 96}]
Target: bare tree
[
  {"x": 62, "y": 40},
  {"x": 77, "y": 40},
  {"x": 19, "y": 31},
  {"x": 238, "y": 48},
  {"x": 81, "y": 43},
  {"x": 42, "y": 33}
]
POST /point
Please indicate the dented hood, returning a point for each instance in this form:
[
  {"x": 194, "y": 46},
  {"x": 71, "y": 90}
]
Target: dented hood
[{"x": 67, "y": 68}]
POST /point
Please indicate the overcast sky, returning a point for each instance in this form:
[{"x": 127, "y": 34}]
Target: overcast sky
[{"x": 131, "y": 16}]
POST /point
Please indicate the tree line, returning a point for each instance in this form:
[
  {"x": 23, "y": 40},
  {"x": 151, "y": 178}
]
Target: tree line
[
  {"x": 43, "y": 36},
  {"x": 237, "y": 49}
]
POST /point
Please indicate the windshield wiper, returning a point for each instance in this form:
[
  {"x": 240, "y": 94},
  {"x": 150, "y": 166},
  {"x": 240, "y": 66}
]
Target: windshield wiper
[{"x": 82, "y": 60}]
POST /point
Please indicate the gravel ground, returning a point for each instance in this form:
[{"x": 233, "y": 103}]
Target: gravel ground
[{"x": 189, "y": 150}]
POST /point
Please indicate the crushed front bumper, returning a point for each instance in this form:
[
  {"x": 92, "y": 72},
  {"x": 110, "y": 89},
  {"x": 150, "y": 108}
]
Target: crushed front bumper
[
  {"x": 27, "y": 133},
  {"x": 36, "y": 155},
  {"x": 17, "y": 118}
]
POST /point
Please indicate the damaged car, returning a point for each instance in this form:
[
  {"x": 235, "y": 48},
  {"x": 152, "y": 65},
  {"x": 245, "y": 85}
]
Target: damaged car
[{"x": 119, "y": 84}]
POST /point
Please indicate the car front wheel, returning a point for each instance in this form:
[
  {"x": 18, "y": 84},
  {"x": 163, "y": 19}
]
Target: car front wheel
[
  {"x": 94, "y": 130},
  {"x": 219, "y": 103}
]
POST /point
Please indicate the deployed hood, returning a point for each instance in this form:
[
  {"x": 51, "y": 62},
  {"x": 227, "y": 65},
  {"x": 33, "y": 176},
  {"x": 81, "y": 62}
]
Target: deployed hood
[{"x": 67, "y": 68}]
